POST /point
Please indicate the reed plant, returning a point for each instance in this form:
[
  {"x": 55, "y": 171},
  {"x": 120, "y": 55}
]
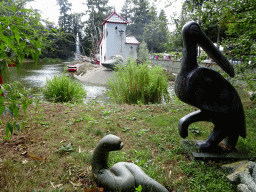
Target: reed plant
[
  {"x": 62, "y": 88},
  {"x": 138, "y": 84}
]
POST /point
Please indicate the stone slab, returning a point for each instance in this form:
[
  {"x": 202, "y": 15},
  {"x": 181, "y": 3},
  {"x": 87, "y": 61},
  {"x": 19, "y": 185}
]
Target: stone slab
[{"x": 195, "y": 153}]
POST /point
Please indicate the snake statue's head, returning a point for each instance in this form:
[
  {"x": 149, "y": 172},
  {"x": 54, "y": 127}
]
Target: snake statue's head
[{"x": 110, "y": 143}]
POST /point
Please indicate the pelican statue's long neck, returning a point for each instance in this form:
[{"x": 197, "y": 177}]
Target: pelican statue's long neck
[{"x": 189, "y": 62}]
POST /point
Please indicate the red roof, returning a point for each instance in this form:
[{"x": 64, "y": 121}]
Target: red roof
[{"x": 115, "y": 18}]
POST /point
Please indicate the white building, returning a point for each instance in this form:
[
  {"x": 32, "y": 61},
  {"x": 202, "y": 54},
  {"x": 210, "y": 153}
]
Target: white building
[{"x": 114, "y": 40}]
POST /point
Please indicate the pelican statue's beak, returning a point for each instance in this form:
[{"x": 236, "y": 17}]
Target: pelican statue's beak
[{"x": 214, "y": 53}]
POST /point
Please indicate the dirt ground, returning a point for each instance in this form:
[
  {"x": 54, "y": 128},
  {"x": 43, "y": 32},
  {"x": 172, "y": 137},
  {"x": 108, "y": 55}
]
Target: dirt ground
[{"x": 93, "y": 74}]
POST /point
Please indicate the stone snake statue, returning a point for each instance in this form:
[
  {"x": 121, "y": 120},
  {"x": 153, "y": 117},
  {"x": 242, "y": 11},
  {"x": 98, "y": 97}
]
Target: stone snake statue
[{"x": 122, "y": 176}]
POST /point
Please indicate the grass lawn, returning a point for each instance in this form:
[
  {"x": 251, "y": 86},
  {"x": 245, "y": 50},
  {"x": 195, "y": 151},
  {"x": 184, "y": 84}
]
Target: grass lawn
[{"x": 40, "y": 158}]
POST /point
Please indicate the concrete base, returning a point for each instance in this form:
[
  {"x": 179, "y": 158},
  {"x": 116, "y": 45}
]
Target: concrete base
[{"x": 217, "y": 155}]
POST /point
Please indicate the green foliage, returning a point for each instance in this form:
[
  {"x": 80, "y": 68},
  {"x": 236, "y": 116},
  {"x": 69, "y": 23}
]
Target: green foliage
[
  {"x": 203, "y": 174},
  {"x": 228, "y": 23},
  {"x": 143, "y": 55},
  {"x": 51, "y": 60},
  {"x": 66, "y": 149},
  {"x": 21, "y": 34},
  {"x": 146, "y": 24},
  {"x": 235, "y": 28},
  {"x": 138, "y": 189},
  {"x": 15, "y": 96},
  {"x": 97, "y": 12},
  {"x": 63, "y": 89},
  {"x": 156, "y": 32},
  {"x": 138, "y": 84}
]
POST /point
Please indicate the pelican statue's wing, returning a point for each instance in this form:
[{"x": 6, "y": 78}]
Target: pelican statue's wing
[{"x": 212, "y": 93}]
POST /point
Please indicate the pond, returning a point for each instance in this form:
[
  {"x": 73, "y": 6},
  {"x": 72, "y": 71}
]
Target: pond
[{"x": 34, "y": 76}]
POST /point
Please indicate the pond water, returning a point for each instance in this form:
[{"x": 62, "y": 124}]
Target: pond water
[
  {"x": 32, "y": 76},
  {"x": 35, "y": 76}
]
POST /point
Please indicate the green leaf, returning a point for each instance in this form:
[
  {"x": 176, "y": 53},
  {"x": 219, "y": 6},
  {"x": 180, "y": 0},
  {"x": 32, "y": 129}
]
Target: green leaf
[
  {"x": 139, "y": 188},
  {"x": 9, "y": 129},
  {"x": 55, "y": 30},
  {"x": 22, "y": 125},
  {"x": 14, "y": 109},
  {"x": 24, "y": 106},
  {"x": 2, "y": 109},
  {"x": 12, "y": 8},
  {"x": 67, "y": 148},
  {"x": 17, "y": 36}
]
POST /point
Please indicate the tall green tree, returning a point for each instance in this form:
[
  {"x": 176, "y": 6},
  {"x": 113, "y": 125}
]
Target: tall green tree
[
  {"x": 140, "y": 19},
  {"x": 65, "y": 7},
  {"x": 163, "y": 31},
  {"x": 97, "y": 11},
  {"x": 237, "y": 20},
  {"x": 146, "y": 24},
  {"x": 126, "y": 11},
  {"x": 187, "y": 13},
  {"x": 231, "y": 24},
  {"x": 150, "y": 32},
  {"x": 70, "y": 25}
]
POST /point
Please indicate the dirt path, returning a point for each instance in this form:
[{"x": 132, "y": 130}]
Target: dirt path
[{"x": 94, "y": 74}]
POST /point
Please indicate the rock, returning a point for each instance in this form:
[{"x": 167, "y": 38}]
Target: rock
[
  {"x": 254, "y": 174},
  {"x": 230, "y": 168},
  {"x": 243, "y": 188},
  {"x": 247, "y": 180},
  {"x": 82, "y": 69},
  {"x": 241, "y": 174},
  {"x": 252, "y": 95}
]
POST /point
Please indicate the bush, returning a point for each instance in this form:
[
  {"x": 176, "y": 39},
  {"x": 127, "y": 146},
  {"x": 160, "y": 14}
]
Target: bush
[
  {"x": 63, "y": 89},
  {"x": 143, "y": 55},
  {"x": 134, "y": 84},
  {"x": 51, "y": 60}
]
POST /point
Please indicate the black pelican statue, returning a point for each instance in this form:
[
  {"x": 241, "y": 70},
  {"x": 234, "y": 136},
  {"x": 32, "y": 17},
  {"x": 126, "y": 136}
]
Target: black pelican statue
[{"x": 207, "y": 90}]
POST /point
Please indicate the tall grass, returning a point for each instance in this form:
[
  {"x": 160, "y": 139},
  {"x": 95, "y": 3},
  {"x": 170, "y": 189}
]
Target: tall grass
[
  {"x": 134, "y": 84},
  {"x": 63, "y": 89}
]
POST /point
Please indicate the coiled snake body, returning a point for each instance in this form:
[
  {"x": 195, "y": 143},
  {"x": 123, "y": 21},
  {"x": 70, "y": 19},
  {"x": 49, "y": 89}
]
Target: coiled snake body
[{"x": 122, "y": 176}]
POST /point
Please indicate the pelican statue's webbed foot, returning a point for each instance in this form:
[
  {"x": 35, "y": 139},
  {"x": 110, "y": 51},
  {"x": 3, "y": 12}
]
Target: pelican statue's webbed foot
[{"x": 212, "y": 142}]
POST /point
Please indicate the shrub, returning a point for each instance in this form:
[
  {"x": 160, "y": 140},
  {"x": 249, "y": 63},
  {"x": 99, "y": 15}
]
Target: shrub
[
  {"x": 63, "y": 89},
  {"x": 51, "y": 60},
  {"x": 16, "y": 96},
  {"x": 134, "y": 84},
  {"x": 143, "y": 54}
]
